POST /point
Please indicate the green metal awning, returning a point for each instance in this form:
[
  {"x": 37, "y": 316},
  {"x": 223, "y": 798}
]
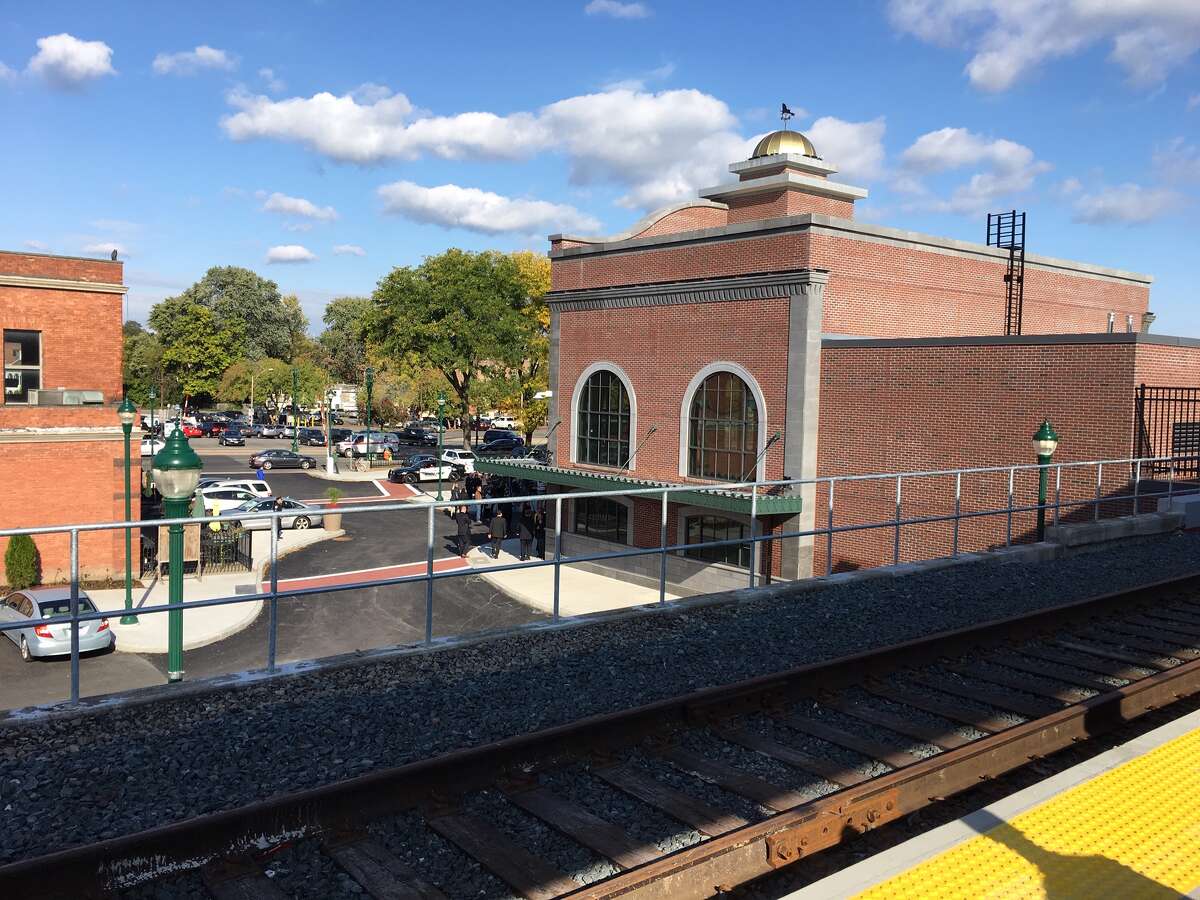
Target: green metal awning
[{"x": 721, "y": 499}]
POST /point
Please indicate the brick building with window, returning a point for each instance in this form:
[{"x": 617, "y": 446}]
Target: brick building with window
[
  {"x": 761, "y": 331},
  {"x": 61, "y": 450}
]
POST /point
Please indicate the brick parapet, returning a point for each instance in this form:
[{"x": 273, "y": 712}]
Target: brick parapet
[{"x": 74, "y": 268}]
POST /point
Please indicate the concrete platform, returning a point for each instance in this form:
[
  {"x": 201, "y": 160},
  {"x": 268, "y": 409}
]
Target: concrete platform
[
  {"x": 1124, "y": 824},
  {"x": 207, "y": 624}
]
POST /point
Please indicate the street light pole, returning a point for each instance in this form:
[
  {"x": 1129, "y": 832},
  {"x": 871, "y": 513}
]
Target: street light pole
[
  {"x": 176, "y": 469},
  {"x": 153, "y": 395},
  {"x": 1045, "y": 442},
  {"x": 441, "y": 430},
  {"x": 295, "y": 411},
  {"x": 127, "y": 412},
  {"x": 370, "y": 385}
]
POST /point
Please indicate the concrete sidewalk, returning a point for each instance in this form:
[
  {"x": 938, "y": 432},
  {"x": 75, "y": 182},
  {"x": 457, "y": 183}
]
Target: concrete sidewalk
[
  {"x": 210, "y": 623},
  {"x": 579, "y": 591}
]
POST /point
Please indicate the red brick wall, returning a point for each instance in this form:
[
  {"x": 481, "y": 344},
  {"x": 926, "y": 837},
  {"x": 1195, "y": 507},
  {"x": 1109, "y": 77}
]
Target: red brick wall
[
  {"x": 944, "y": 407},
  {"x": 690, "y": 218},
  {"x": 79, "y": 482},
  {"x": 36, "y": 265},
  {"x": 787, "y": 203},
  {"x": 661, "y": 348}
]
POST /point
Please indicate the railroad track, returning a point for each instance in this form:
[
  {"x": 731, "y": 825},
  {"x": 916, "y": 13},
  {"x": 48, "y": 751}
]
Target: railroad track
[{"x": 689, "y": 796}]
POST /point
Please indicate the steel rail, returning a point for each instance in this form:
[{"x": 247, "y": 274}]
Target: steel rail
[{"x": 733, "y": 858}]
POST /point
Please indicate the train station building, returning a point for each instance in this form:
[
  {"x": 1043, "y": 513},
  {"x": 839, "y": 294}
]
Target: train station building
[
  {"x": 681, "y": 347},
  {"x": 61, "y": 444}
]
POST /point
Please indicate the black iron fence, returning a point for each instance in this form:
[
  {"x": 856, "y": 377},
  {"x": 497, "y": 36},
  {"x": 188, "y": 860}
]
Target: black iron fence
[
  {"x": 224, "y": 550},
  {"x": 1167, "y": 425}
]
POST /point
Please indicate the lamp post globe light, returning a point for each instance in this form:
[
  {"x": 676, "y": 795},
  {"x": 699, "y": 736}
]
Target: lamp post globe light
[
  {"x": 127, "y": 413},
  {"x": 1045, "y": 442},
  {"x": 176, "y": 470},
  {"x": 441, "y": 431}
]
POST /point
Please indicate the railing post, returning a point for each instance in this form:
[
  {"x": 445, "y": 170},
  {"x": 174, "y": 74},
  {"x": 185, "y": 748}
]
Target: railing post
[
  {"x": 74, "y": 615},
  {"x": 662, "y": 553},
  {"x": 957, "y": 511},
  {"x": 1057, "y": 491},
  {"x": 429, "y": 578},
  {"x": 1170, "y": 483},
  {"x": 273, "y": 630},
  {"x": 1012, "y": 474},
  {"x": 1137, "y": 483},
  {"x": 753, "y": 531},
  {"x": 1099, "y": 479},
  {"x": 557, "y": 551},
  {"x": 896, "y": 537},
  {"x": 829, "y": 532}
]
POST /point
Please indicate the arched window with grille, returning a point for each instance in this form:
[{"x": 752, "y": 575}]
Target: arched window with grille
[
  {"x": 723, "y": 429},
  {"x": 602, "y": 421}
]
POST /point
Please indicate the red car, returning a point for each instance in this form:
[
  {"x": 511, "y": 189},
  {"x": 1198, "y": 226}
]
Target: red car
[{"x": 191, "y": 431}]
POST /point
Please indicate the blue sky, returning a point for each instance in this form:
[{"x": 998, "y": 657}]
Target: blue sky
[{"x": 322, "y": 143}]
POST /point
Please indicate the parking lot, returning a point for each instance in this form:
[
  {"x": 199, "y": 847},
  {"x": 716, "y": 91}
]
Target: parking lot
[{"x": 309, "y": 627}]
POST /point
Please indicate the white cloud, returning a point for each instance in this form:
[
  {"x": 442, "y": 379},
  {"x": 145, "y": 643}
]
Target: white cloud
[
  {"x": 1125, "y": 203},
  {"x": 290, "y": 253},
  {"x": 189, "y": 62},
  {"x": 37, "y": 245},
  {"x": 1177, "y": 162},
  {"x": 66, "y": 62},
  {"x": 298, "y": 206},
  {"x": 1009, "y": 168},
  {"x": 105, "y": 248},
  {"x": 7, "y": 74},
  {"x": 274, "y": 83},
  {"x": 617, "y": 10},
  {"x": 349, "y": 250},
  {"x": 452, "y": 206},
  {"x": 1148, "y": 37},
  {"x": 638, "y": 83},
  {"x": 856, "y": 148}
]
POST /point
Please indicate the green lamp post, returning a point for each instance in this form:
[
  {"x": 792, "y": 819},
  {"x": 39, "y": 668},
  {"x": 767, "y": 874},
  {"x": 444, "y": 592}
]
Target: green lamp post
[
  {"x": 153, "y": 396},
  {"x": 370, "y": 384},
  {"x": 176, "y": 469},
  {"x": 295, "y": 410},
  {"x": 329, "y": 432},
  {"x": 1045, "y": 442},
  {"x": 127, "y": 412},
  {"x": 441, "y": 431}
]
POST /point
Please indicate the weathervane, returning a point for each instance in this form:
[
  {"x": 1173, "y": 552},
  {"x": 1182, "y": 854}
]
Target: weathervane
[{"x": 785, "y": 114}]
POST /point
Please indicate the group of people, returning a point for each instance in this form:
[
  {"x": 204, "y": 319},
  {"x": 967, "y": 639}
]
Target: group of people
[{"x": 503, "y": 519}]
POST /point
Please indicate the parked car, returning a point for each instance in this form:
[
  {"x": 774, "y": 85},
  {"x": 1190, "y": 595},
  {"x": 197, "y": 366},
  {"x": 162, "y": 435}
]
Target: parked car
[
  {"x": 192, "y": 431},
  {"x": 232, "y": 437},
  {"x": 150, "y": 446},
  {"x": 299, "y": 515},
  {"x": 312, "y": 437},
  {"x": 417, "y": 435},
  {"x": 259, "y": 488},
  {"x": 465, "y": 459},
  {"x": 495, "y": 434},
  {"x": 211, "y": 428},
  {"x": 341, "y": 434},
  {"x": 287, "y": 431},
  {"x": 219, "y": 497},
  {"x": 33, "y": 605},
  {"x": 501, "y": 447},
  {"x": 504, "y": 421},
  {"x": 281, "y": 459},
  {"x": 425, "y": 470},
  {"x": 270, "y": 431},
  {"x": 357, "y": 445}
]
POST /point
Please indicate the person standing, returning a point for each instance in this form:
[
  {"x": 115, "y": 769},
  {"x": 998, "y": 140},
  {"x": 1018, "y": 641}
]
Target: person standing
[
  {"x": 499, "y": 531},
  {"x": 525, "y": 530},
  {"x": 478, "y": 495},
  {"x": 279, "y": 507},
  {"x": 539, "y": 532},
  {"x": 463, "y": 520}
]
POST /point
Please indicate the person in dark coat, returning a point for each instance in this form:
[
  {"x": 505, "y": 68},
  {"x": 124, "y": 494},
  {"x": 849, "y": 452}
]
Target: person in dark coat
[
  {"x": 463, "y": 519},
  {"x": 539, "y": 532},
  {"x": 498, "y": 531},
  {"x": 525, "y": 529}
]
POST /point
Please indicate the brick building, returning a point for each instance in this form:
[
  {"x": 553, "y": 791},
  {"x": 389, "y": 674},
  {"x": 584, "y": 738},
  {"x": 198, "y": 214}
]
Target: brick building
[
  {"x": 61, "y": 452},
  {"x": 681, "y": 347}
]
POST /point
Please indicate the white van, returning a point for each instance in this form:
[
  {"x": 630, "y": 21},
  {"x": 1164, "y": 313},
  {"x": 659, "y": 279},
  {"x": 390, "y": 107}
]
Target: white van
[
  {"x": 504, "y": 421},
  {"x": 256, "y": 487}
]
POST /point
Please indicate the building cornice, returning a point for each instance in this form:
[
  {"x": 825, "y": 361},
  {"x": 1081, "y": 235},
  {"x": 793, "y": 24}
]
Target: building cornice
[
  {"x": 59, "y": 435},
  {"x": 1015, "y": 340},
  {"x": 819, "y": 223},
  {"x": 784, "y": 181},
  {"x": 706, "y": 290},
  {"x": 61, "y": 284}
]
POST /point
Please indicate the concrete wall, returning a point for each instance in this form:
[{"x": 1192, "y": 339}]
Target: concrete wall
[{"x": 685, "y": 577}]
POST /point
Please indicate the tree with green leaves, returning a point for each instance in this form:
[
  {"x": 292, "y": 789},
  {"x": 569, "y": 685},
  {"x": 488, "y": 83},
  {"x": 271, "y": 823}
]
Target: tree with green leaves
[
  {"x": 460, "y": 313},
  {"x": 200, "y": 351},
  {"x": 142, "y": 365},
  {"x": 530, "y": 360},
  {"x": 343, "y": 342}
]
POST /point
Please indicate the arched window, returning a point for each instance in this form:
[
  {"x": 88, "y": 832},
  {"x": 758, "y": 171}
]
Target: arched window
[
  {"x": 722, "y": 429},
  {"x": 602, "y": 423}
]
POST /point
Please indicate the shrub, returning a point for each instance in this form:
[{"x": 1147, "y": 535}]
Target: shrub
[
  {"x": 22, "y": 563},
  {"x": 334, "y": 495}
]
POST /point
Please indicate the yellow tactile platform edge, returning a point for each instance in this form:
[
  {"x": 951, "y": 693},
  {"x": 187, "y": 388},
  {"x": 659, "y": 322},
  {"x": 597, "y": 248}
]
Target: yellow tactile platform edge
[{"x": 1130, "y": 833}]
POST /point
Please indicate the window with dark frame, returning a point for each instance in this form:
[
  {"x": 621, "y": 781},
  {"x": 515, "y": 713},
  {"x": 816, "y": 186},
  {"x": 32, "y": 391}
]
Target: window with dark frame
[
  {"x": 701, "y": 529},
  {"x": 722, "y": 429},
  {"x": 22, "y": 364},
  {"x": 602, "y": 425},
  {"x": 602, "y": 518}
]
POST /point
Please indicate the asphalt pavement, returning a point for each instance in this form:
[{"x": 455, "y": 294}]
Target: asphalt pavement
[{"x": 310, "y": 627}]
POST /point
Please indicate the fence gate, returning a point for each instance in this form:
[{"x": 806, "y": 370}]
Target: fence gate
[{"x": 1167, "y": 423}]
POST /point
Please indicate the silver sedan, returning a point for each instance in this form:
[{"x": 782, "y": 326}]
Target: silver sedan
[
  {"x": 297, "y": 515},
  {"x": 33, "y": 605}
]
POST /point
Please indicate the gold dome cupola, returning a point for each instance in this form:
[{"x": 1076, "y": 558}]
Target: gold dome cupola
[{"x": 784, "y": 142}]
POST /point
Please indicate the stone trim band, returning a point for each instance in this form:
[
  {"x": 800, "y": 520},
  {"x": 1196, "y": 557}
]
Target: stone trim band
[
  {"x": 709, "y": 290},
  {"x": 61, "y": 284}
]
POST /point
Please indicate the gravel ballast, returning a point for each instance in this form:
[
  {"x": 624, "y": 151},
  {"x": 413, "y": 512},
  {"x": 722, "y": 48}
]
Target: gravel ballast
[{"x": 73, "y": 780}]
